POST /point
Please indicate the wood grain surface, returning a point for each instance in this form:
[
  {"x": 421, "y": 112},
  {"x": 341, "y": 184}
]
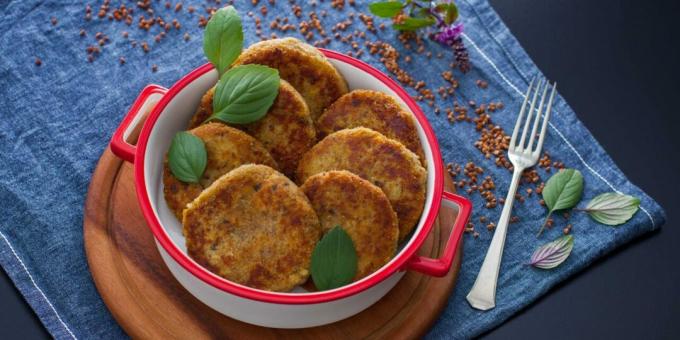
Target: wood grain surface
[{"x": 149, "y": 303}]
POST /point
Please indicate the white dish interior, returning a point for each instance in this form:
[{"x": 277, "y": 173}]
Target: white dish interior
[{"x": 181, "y": 108}]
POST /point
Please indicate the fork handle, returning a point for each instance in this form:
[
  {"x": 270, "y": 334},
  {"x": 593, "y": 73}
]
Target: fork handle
[{"x": 482, "y": 296}]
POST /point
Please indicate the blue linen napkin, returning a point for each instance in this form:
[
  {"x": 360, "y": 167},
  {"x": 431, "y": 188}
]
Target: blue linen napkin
[{"x": 57, "y": 118}]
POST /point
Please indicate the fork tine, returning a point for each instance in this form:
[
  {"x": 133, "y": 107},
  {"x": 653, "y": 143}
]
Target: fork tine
[
  {"x": 529, "y": 115},
  {"x": 521, "y": 114},
  {"x": 538, "y": 117},
  {"x": 545, "y": 121}
]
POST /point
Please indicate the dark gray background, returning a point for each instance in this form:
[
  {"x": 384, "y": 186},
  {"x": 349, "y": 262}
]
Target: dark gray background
[{"x": 616, "y": 62}]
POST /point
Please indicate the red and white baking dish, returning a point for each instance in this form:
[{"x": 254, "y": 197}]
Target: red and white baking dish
[{"x": 297, "y": 309}]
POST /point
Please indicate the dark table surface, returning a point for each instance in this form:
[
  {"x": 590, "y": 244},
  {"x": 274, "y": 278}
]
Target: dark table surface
[{"x": 617, "y": 64}]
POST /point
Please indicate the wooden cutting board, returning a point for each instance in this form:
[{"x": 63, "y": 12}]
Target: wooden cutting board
[{"x": 149, "y": 303}]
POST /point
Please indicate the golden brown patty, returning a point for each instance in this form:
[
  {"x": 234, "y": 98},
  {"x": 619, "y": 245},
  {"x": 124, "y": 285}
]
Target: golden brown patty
[
  {"x": 374, "y": 110},
  {"x": 177, "y": 193},
  {"x": 303, "y": 66},
  {"x": 255, "y": 227},
  {"x": 227, "y": 148},
  {"x": 378, "y": 159},
  {"x": 341, "y": 198},
  {"x": 204, "y": 109},
  {"x": 287, "y": 131}
]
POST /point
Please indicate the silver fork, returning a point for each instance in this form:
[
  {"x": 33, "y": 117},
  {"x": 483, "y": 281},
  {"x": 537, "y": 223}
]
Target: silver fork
[{"x": 483, "y": 293}]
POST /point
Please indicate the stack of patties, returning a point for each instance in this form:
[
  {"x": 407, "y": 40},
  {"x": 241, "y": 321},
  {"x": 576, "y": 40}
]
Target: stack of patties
[
  {"x": 227, "y": 149},
  {"x": 252, "y": 224},
  {"x": 367, "y": 174},
  {"x": 303, "y": 66},
  {"x": 382, "y": 161},
  {"x": 368, "y": 136},
  {"x": 287, "y": 131},
  {"x": 245, "y": 220}
]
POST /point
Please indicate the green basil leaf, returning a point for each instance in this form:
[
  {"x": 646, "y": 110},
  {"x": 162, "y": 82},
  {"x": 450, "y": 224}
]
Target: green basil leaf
[
  {"x": 187, "y": 157},
  {"x": 563, "y": 190},
  {"x": 451, "y": 14},
  {"x": 245, "y": 93},
  {"x": 440, "y": 8},
  {"x": 386, "y": 9},
  {"x": 412, "y": 24},
  {"x": 223, "y": 38},
  {"x": 421, "y": 13},
  {"x": 553, "y": 254},
  {"x": 612, "y": 208},
  {"x": 334, "y": 260}
]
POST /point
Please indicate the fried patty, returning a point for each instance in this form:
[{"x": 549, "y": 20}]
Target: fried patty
[
  {"x": 227, "y": 148},
  {"x": 303, "y": 66},
  {"x": 341, "y": 198},
  {"x": 375, "y": 110},
  {"x": 287, "y": 131},
  {"x": 255, "y": 227},
  {"x": 382, "y": 161}
]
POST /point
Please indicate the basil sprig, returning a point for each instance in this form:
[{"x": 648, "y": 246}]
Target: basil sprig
[
  {"x": 563, "y": 191},
  {"x": 334, "y": 260},
  {"x": 223, "y": 38},
  {"x": 413, "y": 15},
  {"x": 245, "y": 93},
  {"x": 187, "y": 157}
]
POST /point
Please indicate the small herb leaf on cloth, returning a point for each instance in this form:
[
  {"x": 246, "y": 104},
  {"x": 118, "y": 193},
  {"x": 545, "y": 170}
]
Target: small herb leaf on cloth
[
  {"x": 334, "y": 260},
  {"x": 612, "y": 208},
  {"x": 187, "y": 157},
  {"x": 245, "y": 93},
  {"x": 562, "y": 191},
  {"x": 412, "y": 24},
  {"x": 450, "y": 12},
  {"x": 552, "y": 254},
  {"x": 386, "y": 9},
  {"x": 223, "y": 38}
]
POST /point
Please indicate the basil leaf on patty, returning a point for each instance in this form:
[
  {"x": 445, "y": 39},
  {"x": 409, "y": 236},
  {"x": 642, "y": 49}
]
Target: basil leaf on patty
[
  {"x": 334, "y": 260},
  {"x": 245, "y": 93},
  {"x": 187, "y": 157}
]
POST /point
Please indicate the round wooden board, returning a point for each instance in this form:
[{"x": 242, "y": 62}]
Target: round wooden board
[{"x": 149, "y": 303}]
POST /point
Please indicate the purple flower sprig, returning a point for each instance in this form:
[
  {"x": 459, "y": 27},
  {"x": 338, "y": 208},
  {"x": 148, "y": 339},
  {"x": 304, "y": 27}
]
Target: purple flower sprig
[
  {"x": 447, "y": 35},
  {"x": 440, "y": 17}
]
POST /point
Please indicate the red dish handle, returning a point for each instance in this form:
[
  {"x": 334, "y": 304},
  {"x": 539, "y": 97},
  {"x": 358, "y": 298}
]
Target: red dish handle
[
  {"x": 149, "y": 96},
  {"x": 440, "y": 267}
]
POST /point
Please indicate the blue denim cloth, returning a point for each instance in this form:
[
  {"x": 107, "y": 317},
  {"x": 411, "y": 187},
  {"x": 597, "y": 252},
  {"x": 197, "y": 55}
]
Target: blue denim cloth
[{"x": 56, "y": 120}]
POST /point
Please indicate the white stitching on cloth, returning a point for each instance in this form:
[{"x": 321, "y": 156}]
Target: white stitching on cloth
[
  {"x": 36, "y": 285},
  {"x": 488, "y": 31},
  {"x": 559, "y": 133}
]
